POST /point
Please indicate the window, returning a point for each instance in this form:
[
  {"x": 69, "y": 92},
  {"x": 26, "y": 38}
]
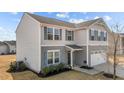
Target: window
[
  {"x": 99, "y": 34},
  {"x": 69, "y": 35},
  {"x": 96, "y": 35},
  {"x": 102, "y": 36},
  {"x": 92, "y": 35},
  {"x": 105, "y": 36},
  {"x": 52, "y": 33},
  {"x": 56, "y": 57},
  {"x": 50, "y": 57},
  {"x": 57, "y": 34},
  {"x": 53, "y": 56}
]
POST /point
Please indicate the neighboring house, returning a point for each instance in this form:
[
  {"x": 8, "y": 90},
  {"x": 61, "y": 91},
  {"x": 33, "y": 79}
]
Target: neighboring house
[
  {"x": 121, "y": 43},
  {"x": 4, "y": 48},
  {"x": 7, "y": 47},
  {"x": 43, "y": 41},
  {"x": 12, "y": 46}
]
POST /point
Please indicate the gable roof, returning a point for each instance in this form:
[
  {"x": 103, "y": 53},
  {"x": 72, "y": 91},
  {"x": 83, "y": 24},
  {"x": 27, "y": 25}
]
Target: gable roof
[
  {"x": 53, "y": 21},
  {"x": 2, "y": 43},
  {"x": 10, "y": 42}
]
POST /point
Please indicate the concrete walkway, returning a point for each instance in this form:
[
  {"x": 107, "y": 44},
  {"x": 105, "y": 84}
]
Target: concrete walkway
[{"x": 90, "y": 71}]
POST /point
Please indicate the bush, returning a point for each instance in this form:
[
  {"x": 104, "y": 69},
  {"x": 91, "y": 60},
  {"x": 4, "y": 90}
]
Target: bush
[
  {"x": 53, "y": 69},
  {"x": 46, "y": 70},
  {"x": 22, "y": 66},
  {"x": 13, "y": 67},
  {"x": 17, "y": 67},
  {"x": 60, "y": 66}
]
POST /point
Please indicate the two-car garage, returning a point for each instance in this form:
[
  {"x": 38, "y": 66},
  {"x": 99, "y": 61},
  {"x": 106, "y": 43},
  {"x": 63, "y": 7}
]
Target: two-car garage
[{"x": 97, "y": 57}]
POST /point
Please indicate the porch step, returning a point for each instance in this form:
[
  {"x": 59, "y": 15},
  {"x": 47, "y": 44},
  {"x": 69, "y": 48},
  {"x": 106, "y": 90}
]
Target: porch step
[{"x": 90, "y": 72}]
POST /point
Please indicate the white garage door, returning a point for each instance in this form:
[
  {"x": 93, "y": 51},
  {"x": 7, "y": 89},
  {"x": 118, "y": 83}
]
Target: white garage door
[{"x": 98, "y": 58}]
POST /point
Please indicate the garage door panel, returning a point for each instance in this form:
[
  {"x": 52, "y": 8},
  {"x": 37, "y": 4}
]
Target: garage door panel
[{"x": 98, "y": 58}]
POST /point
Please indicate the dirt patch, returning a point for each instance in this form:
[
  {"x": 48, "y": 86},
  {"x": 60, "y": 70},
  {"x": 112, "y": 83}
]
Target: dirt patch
[{"x": 4, "y": 65}]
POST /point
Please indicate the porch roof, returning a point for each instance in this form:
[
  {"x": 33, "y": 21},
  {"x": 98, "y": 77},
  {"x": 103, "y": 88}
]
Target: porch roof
[{"x": 74, "y": 47}]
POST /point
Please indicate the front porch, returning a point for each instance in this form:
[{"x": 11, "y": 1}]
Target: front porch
[{"x": 74, "y": 55}]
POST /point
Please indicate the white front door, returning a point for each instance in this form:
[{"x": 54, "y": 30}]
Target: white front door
[{"x": 98, "y": 58}]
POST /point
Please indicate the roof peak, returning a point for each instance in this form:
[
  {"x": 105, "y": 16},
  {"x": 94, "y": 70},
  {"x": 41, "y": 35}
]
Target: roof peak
[{"x": 44, "y": 19}]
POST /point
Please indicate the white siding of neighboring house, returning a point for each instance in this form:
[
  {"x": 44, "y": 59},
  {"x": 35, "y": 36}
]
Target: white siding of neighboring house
[
  {"x": 4, "y": 49},
  {"x": 28, "y": 42},
  {"x": 62, "y": 42},
  {"x": 101, "y": 43},
  {"x": 12, "y": 48}
]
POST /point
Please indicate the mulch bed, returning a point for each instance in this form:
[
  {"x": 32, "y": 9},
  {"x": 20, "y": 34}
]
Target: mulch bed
[
  {"x": 108, "y": 75},
  {"x": 86, "y": 67},
  {"x": 54, "y": 73}
]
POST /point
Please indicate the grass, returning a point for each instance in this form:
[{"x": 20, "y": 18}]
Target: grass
[{"x": 29, "y": 75}]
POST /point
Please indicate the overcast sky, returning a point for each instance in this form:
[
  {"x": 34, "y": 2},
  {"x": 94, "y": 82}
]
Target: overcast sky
[{"x": 10, "y": 20}]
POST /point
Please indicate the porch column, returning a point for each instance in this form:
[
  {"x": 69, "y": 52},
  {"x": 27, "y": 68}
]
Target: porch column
[{"x": 72, "y": 58}]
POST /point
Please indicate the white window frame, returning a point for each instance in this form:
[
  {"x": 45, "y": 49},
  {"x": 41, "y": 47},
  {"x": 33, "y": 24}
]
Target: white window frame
[
  {"x": 53, "y": 33},
  {"x": 53, "y": 51},
  {"x": 92, "y": 32},
  {"x": 57, "y": 34},
  {"x": 72, "y": 35},
  {"x": 48, "y": 33}
]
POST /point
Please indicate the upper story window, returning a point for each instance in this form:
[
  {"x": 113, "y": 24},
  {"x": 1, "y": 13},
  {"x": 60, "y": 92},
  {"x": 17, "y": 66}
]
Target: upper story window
[
  {"x": 99, "y": 35},
  {"x": 96, "y": 35},
  {"x": 52, "y": 33},
  {"x": 105, "y": 36},
  {"x": 69, "y": 35},
  {"x": 92, "y": 34},
  {"x": 57, "y": 34}
]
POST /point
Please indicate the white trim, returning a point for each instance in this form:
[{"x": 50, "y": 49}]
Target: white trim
[
  {"x": 72, "y": 58},
  {"x": 39, "y": 46},
  {"x": 87, "y": 44},
  {"x": 53, "y": 51}
]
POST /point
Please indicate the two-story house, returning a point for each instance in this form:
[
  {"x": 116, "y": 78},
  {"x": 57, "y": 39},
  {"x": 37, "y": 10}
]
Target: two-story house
[{"x": 43, "y": 41}]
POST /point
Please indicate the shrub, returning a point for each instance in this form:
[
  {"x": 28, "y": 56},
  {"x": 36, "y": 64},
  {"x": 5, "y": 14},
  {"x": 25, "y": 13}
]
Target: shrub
[
  {"x": 13, "y": 67},
  {"x": 17, "y": 66},
  {"x": 60, "y": 66},
  {"x": 22, "y": 66},
  {"x": 46, "y": 70},
  {"x": 53, "y": 69}
]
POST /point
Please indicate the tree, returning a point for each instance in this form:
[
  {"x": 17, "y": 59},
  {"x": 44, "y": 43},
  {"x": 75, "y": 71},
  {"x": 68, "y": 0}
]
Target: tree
[{"x": 114, "y": 44}]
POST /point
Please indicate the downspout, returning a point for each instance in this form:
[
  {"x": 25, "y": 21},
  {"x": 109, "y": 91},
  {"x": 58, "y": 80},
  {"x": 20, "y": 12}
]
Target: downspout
[{"x": 87, "y": 48}]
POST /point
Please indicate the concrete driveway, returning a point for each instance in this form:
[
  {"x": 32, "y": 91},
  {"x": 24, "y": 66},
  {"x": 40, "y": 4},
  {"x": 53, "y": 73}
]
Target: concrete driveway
[{"x": 107, "y": 67}]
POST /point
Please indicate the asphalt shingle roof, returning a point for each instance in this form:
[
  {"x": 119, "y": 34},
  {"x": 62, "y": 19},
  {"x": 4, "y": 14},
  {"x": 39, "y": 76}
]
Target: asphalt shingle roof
[
  {"x": 74, "y": 46},
  {"x": 53, "y": 21}
]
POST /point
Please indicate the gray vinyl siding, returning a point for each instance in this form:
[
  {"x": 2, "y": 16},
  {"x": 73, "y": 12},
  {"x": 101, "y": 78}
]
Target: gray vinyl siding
[
  {"x": 95, "y": 48},
  {"x": 78, "y": 56},
  {"x": 63, "y": 54}
]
